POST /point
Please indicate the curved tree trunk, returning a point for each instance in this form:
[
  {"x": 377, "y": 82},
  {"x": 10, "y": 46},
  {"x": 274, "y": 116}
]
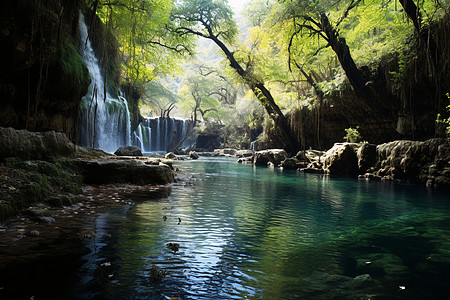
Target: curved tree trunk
[
  {"x": 340, "y": 47},
  {"x": 264, "y": 96}
]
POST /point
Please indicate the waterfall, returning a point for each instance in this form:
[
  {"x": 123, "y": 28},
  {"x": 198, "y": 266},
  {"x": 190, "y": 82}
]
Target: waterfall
[
  {"x": 105, "y": 121},
  {"x": 158, "y": 135},
  {"x": 163, "y": 134},
  {"x": 140, "y": 137}
]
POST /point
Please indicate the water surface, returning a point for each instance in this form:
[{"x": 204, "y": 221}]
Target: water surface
[{"x": 258, "y": 233}]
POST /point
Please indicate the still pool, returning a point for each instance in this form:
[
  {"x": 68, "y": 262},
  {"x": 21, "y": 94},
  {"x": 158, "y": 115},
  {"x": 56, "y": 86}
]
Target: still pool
[{"x": 248, "y": 232}]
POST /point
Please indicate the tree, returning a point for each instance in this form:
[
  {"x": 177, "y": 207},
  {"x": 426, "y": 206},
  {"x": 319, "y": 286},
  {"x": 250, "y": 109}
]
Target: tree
[
  {"x": 213, "y": 19},
  {"x": 149, "y": 50},
  {"x": 157, "y": 96},
  {"x": 311, "y": 18},
  {"x": 205, "y": 93}
]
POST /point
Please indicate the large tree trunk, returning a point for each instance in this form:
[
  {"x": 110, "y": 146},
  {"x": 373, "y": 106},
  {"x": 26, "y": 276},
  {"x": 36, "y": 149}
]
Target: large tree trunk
[
  {"x": 265, "y": 97},
  {"x": 414, "y": 14},
  {"x": 340, "y": 47}
]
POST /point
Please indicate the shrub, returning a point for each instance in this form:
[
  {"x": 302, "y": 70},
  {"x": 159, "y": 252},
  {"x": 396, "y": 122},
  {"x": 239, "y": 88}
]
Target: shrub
[
  {"x": 353, "y": 135},
  {"x": 445, "y": 121}
]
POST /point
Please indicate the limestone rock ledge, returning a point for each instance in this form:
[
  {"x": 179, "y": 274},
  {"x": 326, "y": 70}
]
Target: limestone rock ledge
[
  {"x": 34, "y": 145},
  {"x": 45, "y": 168},
  {"x": 139, "y": 172},
  {"x": 423, "y": 162}
]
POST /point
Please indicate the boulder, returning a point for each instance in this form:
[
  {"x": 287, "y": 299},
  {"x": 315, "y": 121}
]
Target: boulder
[
  {"x": 128, "y": 151},
  {"x": 415, "y": 161},
  {"x": 124, "y": 171},
  {"x": 170, "y": 155},
  {"x": 293, "y": 164},
  {"x": 341, "y": 160},
  {"x": 310, "y": 155},
  {"x": 34, "y": 145},
  {"x": 274, "y": 156},
  {"x": 229, "y": 151},
  {"x": 367, "y": 157},
  {"x": 245, "y": 160},
  {"x": 244, "y": 153},
  {"x": 206, "y": 154},
  {"x": 193, "y": 155}
]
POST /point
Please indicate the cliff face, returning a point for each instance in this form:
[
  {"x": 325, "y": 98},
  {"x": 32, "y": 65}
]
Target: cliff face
[{"x": 43, "y": 77}]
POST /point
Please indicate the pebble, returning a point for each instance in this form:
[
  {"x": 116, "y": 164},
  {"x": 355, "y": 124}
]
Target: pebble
[{"x": 34, "y": 233}]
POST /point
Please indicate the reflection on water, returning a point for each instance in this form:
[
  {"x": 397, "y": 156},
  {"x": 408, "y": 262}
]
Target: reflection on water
[
  {"x": 250, "y": 233},
  {"x": 258, "y": 233}
]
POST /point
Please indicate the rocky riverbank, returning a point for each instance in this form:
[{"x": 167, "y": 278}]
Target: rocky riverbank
[
  {"x": 47, "y": 169},
  {"x": 420, "y": 162}
]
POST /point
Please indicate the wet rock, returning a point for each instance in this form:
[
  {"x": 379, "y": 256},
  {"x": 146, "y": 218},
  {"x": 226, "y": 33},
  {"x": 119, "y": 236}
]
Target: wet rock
[
  {"x": 341, "y": 159},
  {"x": 226, "y": 152},
  {"x": 244, "y": 153},
  {"x": 34, "y": 233},
  {"x": 312, "y": 170},
  {"x": 156, "y": 274},
  {"x": 170, "y": 155},
  {"x": 274, "y": 156},
  {"x": 193, "y": 155},
  {"x": 173, "y": 246},
  {"x": 293, "y": 164},
  {"x": 426, "y": 162},
  {"x": 245, "y": 160},
  {"x": 124, "y": 171},
  {"x": 128, "y": 151},
  {"x": 34, "y": 145},
  {"x": 367, "y": 157},
  {"x": 206, "y": 154},
  {"x": 310, "y": 155}
]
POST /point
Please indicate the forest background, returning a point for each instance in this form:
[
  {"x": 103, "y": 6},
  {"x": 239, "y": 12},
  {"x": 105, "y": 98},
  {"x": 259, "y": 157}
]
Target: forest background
[{"x": 291, "y": 74}]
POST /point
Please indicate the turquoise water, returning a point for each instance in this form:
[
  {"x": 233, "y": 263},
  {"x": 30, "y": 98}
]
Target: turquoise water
[{"x": 258, "y": 233}]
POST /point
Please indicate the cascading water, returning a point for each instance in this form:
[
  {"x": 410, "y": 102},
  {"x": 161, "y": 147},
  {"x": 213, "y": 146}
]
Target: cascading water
[
  {"x": 104, "y": 120},
  {"x": 161, "y": 134}
]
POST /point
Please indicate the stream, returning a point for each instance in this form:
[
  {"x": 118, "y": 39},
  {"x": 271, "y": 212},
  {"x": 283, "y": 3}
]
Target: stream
[{"x": 247, "y": 232}]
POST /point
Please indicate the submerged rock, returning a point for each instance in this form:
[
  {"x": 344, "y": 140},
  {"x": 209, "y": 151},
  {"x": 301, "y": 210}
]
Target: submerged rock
[
  {"x": 156, "y": 274},
  {"x": 333, "y": 286},
  {"x": 128, "y": 151},
  {"x": 174, "y": 246}
]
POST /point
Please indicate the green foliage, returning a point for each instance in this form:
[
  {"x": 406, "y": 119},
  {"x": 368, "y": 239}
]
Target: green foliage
[
  {"x": 191, "y": 16},
  {"x": 72, "y": 63},
  {"x": 148, "y": 48},
  {"x": 445, "y": 121},
  {"x": 353, "y": 135},
  {"x": 157, "y": 97},
  {"x": 399, "y": 75}
]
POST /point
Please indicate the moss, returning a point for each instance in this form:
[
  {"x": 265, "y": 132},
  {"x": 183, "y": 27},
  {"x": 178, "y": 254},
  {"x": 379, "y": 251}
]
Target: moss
[
  {"x": 39, "y": 181},
  {"x": 72, "y": 63}
]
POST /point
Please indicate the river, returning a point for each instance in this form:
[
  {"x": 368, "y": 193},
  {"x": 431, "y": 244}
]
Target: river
[{"x": 248, "y": 232}]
